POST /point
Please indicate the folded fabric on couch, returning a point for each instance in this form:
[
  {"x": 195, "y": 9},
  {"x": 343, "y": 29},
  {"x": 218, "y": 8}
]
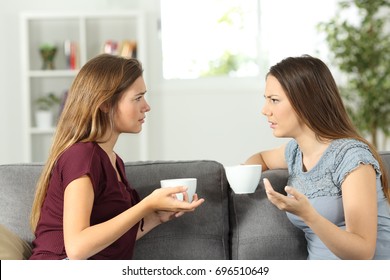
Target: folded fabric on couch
[{"x": 12, "y": 247}]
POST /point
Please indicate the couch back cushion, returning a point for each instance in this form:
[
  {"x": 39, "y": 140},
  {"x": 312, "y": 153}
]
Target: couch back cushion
[
  {"x": 386, "y": 159},
  {"x": 260, "y": 231},
  {"x": 202, "y": 234},
  {"x": 17, "y": 188}
]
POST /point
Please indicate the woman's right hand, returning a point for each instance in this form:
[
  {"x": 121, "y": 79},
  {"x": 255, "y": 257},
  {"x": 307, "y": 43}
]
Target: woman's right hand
[
  {"x": 164, "y": 206},
  {"x": 164, "y": 199}
]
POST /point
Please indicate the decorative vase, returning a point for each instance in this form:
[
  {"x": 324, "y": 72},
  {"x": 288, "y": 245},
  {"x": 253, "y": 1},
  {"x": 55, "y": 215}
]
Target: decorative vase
[
  {"x": 44, "y": 119},
  {"x": 48, "y": 54}
]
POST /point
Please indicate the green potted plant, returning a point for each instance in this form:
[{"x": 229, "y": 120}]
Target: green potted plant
[
  {"x": 45, "y": 107},
  {"x": 48, "y": 52},
  {"x": 361, "y": 50}
]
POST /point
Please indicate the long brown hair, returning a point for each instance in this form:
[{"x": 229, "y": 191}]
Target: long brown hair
[
  {"x": 101, "y": 81},
  {"x": 313, "y": 93}
]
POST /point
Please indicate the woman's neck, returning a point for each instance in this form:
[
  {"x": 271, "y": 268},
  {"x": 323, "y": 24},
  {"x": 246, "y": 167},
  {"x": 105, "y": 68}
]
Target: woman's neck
[
  {"x": 312, "y": 150},
  {"x": 108, "y": 144}
]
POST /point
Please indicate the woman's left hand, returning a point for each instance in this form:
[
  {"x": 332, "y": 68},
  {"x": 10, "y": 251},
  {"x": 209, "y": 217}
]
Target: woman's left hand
[{"x": 295, "y": 202}]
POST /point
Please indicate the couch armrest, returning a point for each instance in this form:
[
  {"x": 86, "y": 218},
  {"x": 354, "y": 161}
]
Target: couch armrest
[{"x": 17, "y": 189}]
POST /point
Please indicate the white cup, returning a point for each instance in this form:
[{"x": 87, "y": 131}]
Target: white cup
[
  {"x": 243, "y": 178},
  {"x": 190, "y": 183}
]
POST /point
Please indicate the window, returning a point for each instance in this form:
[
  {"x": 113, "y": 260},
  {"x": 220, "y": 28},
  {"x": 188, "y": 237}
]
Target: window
[
  {"x": 238, "y": 38},
  {"x": 208, "y": 38}
]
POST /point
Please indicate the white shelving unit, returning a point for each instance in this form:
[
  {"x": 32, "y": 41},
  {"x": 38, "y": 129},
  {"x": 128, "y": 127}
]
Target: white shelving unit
[{"x": 90, "y": 31}]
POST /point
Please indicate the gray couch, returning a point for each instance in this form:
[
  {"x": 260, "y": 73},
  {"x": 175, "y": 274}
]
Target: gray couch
[{"x": 226, "y": 226}]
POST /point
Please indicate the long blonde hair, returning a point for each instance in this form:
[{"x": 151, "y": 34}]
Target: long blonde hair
[{"x": 101, "y": 81}]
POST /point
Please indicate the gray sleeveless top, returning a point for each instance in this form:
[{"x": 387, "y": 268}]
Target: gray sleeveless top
[{"x": 322, "y": 185}]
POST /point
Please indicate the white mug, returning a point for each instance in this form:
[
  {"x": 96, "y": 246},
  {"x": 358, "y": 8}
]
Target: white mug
[
  {"x": 243, "y": 178},
  {"x": 190, "y": 183}
]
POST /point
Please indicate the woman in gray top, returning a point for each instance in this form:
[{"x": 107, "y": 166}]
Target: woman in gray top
[{"x": 337, "y": 190}]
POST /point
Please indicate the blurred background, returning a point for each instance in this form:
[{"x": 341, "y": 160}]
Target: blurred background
[{"x": 204, "y": 62}]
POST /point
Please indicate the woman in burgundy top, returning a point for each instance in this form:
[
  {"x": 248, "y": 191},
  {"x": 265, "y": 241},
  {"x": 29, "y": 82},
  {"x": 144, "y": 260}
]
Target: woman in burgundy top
[{"x": 84, "y": 208}]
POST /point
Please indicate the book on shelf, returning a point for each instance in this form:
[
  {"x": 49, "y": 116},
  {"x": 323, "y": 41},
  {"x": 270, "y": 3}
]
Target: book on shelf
[
  {"x": 126, "y": 48},
  {"x": 110, "y": 47},
  {"x": 129, "y": 49},
  {"x": 71, "y": 54}
]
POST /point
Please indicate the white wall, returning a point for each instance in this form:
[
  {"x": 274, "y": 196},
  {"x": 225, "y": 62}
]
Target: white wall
[
  {"x": 223, "y": 124},
  {"x": 206, "y": 119}
]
